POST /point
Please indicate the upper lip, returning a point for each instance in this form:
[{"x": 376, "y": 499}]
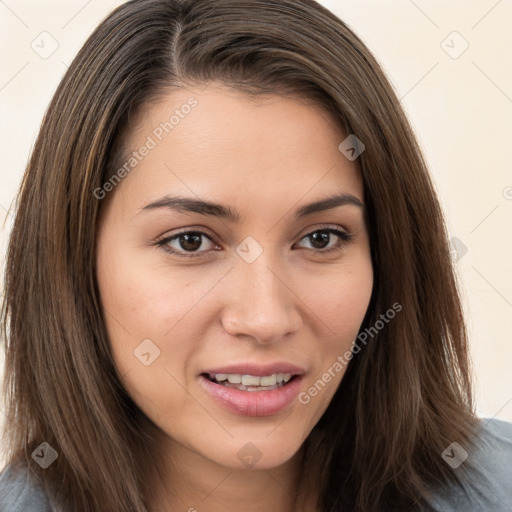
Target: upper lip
[{"x": 250, "y": 368}]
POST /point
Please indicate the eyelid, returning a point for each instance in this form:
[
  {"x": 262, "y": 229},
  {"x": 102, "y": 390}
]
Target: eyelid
[
  {"x": 165, "y": 239},
  {"x": 343, "y": 234},
  {"x": 326, "y": 227},
  {"x": 345, "y": 237}
]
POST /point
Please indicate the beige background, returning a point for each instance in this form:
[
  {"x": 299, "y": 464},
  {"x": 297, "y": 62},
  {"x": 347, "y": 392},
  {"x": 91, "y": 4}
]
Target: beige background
[{"x": 459, "y": 101}]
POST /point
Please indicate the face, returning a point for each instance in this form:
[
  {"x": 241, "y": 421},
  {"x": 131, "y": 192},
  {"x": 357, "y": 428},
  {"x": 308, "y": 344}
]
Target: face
[{"x": 231, "y": 289}]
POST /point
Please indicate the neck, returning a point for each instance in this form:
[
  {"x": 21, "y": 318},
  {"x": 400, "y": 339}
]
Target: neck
[{"x": 192, "y": 483}]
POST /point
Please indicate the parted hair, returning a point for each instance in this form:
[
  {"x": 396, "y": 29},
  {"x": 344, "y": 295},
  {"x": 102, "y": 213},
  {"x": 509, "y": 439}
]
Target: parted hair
[{"x": 405, "y": 396}]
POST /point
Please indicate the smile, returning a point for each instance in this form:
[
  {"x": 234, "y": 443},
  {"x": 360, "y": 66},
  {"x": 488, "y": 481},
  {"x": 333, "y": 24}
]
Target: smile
[
  {"x": 251, "y": 382},
  {"x": 252, "y": 395}
]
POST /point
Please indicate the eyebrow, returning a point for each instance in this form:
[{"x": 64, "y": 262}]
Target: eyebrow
[{"x": 184, "y": 204}]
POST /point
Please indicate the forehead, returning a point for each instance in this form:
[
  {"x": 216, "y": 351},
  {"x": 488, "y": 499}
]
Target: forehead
[{"x": 215, "y": 141}]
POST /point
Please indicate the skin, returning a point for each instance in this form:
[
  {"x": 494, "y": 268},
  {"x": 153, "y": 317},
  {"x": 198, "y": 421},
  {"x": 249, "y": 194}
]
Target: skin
[{"x": 265, "y": 156}]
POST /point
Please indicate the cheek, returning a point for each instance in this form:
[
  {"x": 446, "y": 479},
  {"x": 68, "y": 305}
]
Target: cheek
[
  {"x": 339, "y": 298},
  {"x": 146, "y": 314},
  {"x": 339, "y": 303},
  {"x": 153, "y": 308},
  {"x": 147, "y": 299}
]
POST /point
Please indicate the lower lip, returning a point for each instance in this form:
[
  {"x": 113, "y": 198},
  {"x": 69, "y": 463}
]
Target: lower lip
[{"x": 253, "y": 403}]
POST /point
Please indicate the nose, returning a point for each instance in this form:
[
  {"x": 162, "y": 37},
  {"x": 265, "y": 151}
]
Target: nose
[{"x": 260, "y": 303}]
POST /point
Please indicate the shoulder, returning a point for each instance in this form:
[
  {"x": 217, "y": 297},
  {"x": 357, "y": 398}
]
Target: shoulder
[
  {"x": 487, "y": 485},
  {"x": 21, "y": 493}
]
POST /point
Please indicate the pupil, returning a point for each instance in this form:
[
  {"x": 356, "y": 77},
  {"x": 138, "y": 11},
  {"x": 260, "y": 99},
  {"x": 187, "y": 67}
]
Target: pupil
[
  {"x": 320, "y": 237},
  {"x": 190, "y": 242}
]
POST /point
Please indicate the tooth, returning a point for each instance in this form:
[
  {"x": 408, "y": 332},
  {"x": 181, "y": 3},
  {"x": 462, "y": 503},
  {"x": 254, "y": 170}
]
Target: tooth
[
  {"x": 254, "y": 380},
  {"x": 235, "y": 386},
  {"x": 250, "y": 380},
  {"x": 260, "y": 388},
  {"x": 268, "y": 380}
]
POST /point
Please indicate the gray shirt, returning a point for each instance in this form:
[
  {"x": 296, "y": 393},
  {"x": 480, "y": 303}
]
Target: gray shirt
[{"x": 488, "y": 490}]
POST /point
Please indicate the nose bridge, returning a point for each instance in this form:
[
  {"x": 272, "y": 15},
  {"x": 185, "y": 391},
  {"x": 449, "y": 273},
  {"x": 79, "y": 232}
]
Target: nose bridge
[
  {"x": 253, "y": 267},
  {"x": 259, "y": 303},
  {"x": 261, "y": 283}
]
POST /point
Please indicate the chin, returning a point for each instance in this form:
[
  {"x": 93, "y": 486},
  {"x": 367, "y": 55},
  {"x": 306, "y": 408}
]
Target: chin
[{"x": 262, "y": 453}]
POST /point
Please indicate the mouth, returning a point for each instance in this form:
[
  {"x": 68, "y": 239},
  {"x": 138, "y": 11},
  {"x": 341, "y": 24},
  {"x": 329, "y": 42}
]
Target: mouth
[
  {"x": 251, "y": 390},
  {"x": 251, "y": 382}
]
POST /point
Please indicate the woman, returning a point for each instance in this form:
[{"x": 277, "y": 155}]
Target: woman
[{"x": 229, "y": 285}]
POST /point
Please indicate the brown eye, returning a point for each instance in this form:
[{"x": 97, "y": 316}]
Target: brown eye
[
  {"x": 327, "y": 239},
  {"x": 195, "y": 243}
]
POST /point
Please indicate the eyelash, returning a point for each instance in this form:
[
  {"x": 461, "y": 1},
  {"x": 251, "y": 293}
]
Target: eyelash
[{"x": 345, "y": 237}]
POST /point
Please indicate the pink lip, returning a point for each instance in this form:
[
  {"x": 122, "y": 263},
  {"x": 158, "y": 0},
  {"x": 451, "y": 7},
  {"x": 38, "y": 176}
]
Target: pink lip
[
  {"x": 253, "y": 403},
  {"x": 256, "y": 369}
]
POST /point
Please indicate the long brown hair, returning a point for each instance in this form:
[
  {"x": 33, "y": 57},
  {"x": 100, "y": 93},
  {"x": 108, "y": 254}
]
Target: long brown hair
[{"x": 403, "y": 399}]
